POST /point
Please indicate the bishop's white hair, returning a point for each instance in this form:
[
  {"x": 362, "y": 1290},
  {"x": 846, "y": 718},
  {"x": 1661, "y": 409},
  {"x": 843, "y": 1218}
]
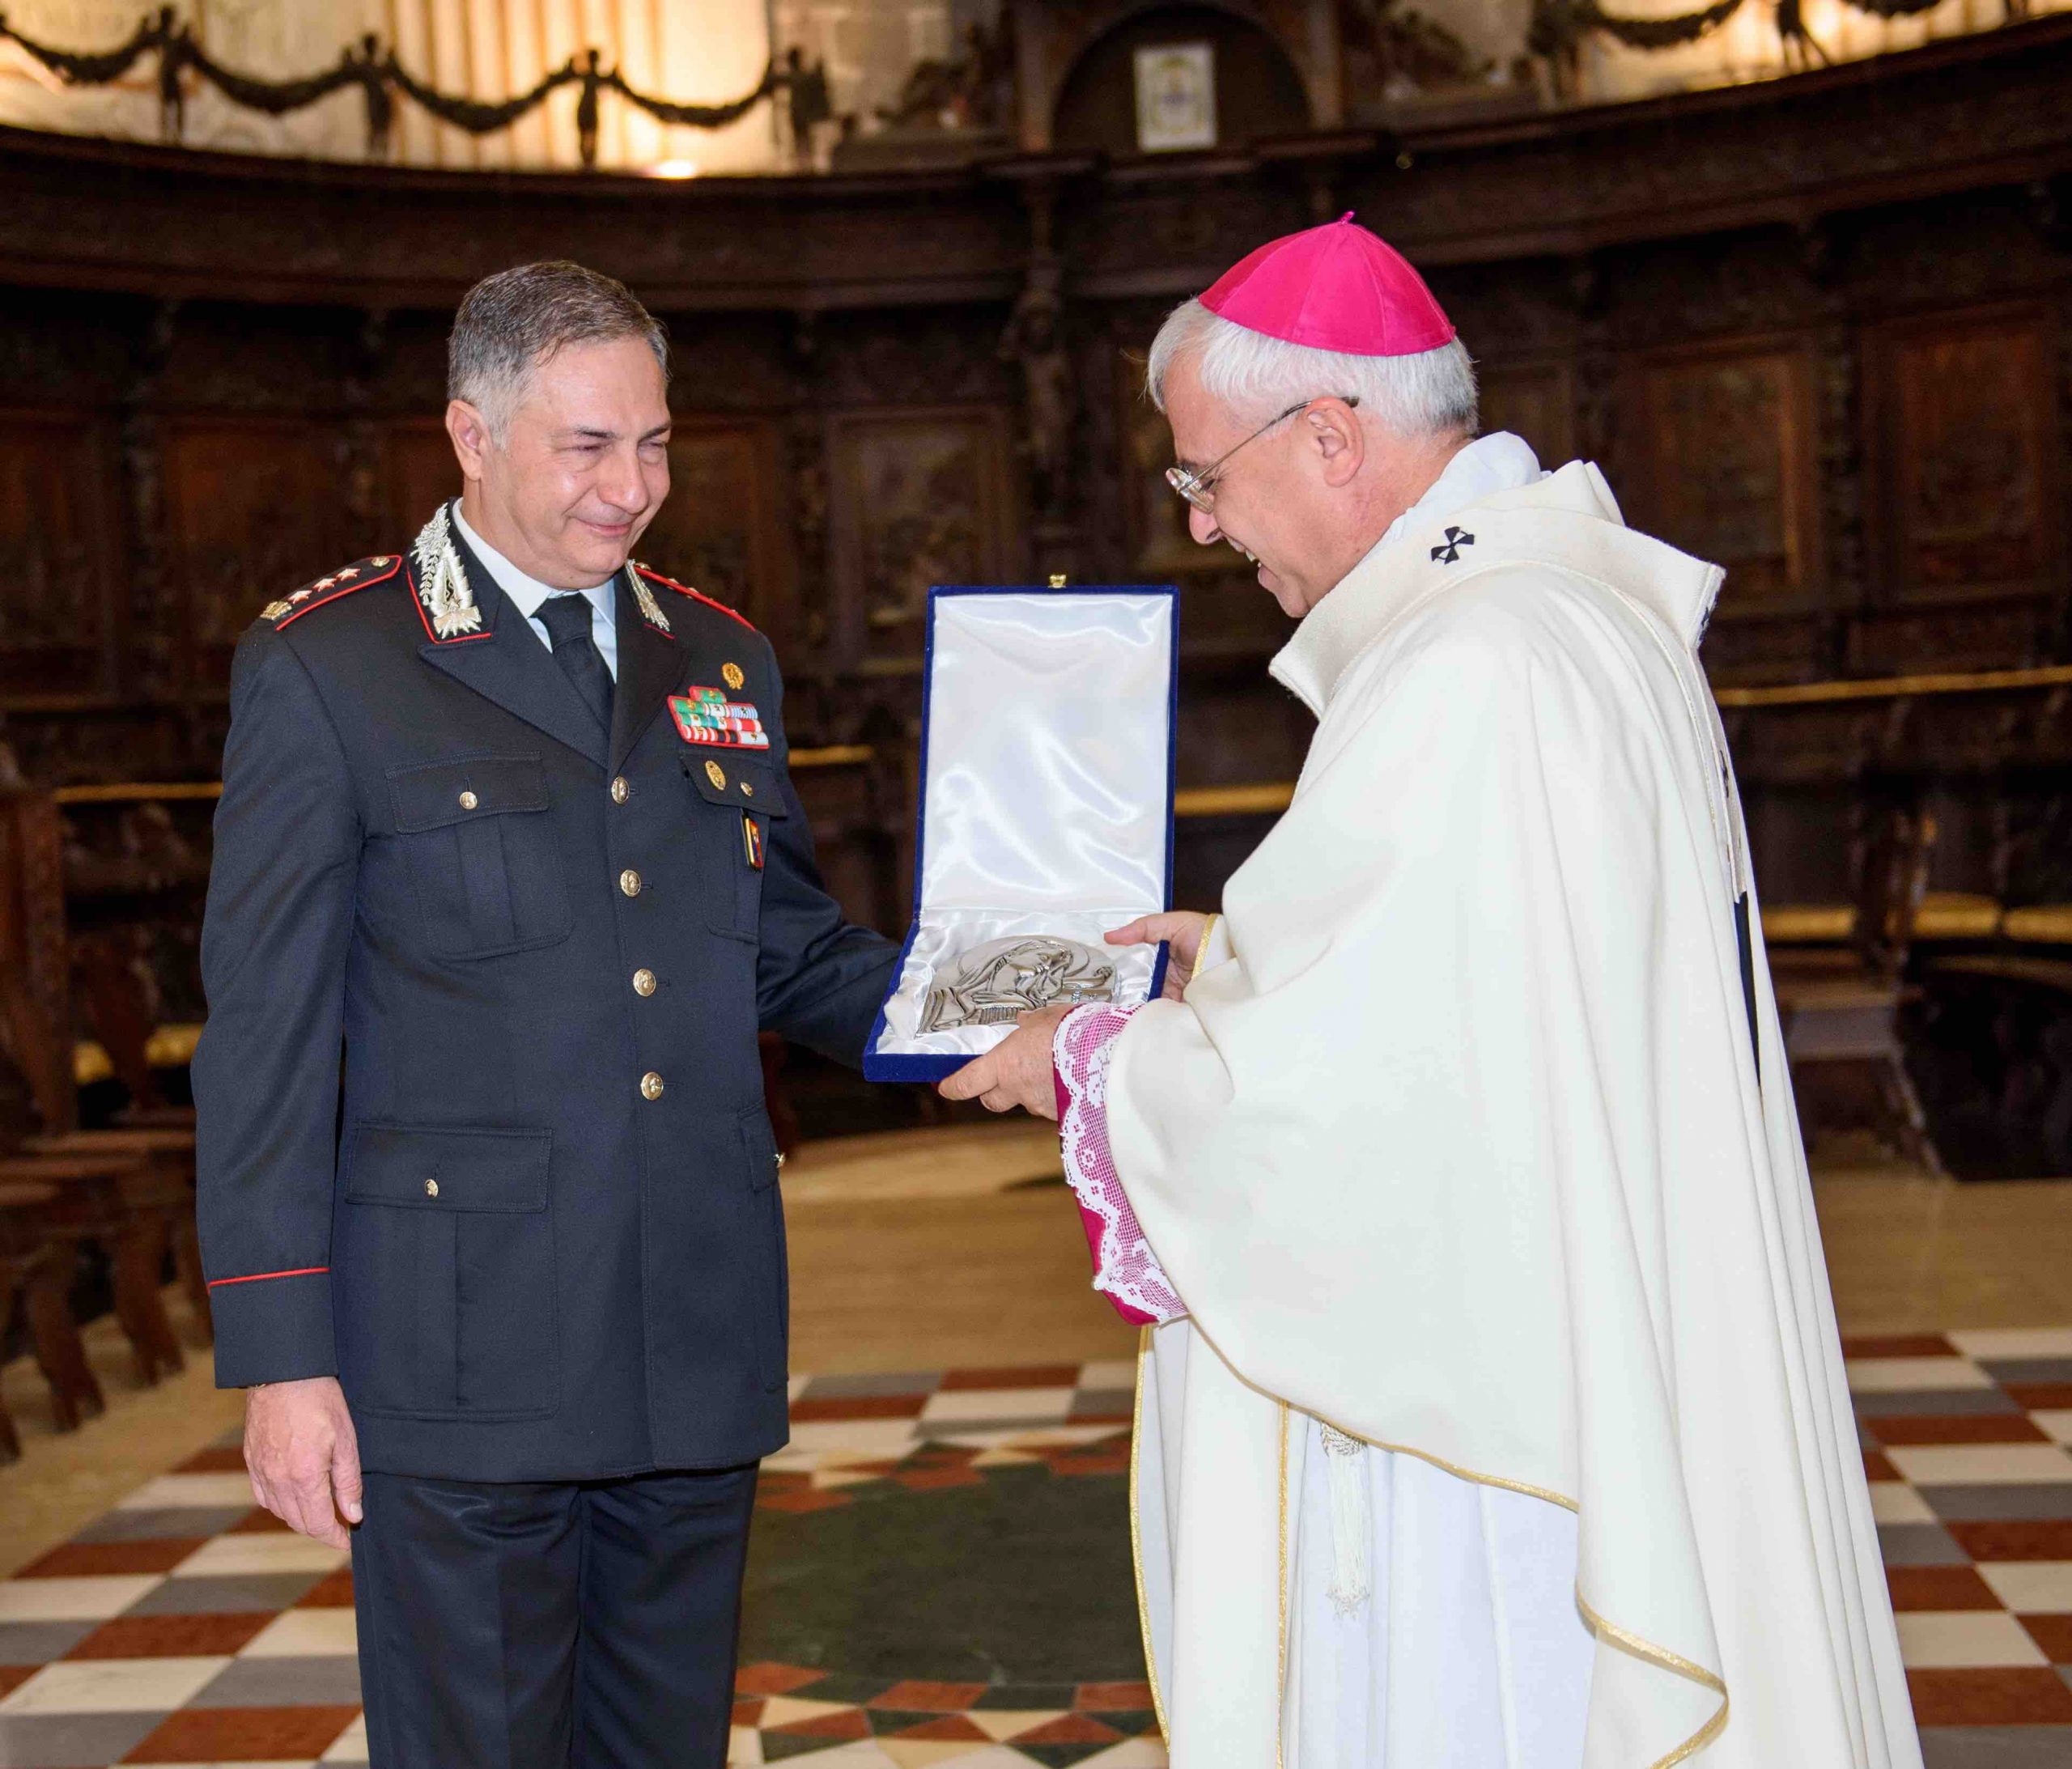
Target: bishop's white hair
[{"x": 1430, "y": 393}]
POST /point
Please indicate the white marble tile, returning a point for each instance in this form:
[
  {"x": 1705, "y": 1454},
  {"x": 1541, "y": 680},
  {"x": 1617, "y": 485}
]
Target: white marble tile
[
  {"x": 1894, "y": 1501},
  {"x": 1895, "y": 1374},
  {"x": 744, "y": 1748},
  {"x": 350, "y": 1745},
  {"x": 72, "y": 1600},
  {"x": 2031, "y": 1587},
  {"x": 2013, "y": 1342},
  {"x": 2055, "y": 1422},
  {"x": 1964, "y": 1639},
  {"x": 171, "y": 1491},
  {"x": 1120, "y": 1372},
  {"x": 229, "y": 1555},
  {"x": 950, "y": 1405},
  {"x": 864, "y": 1438},
  {"x": 114, "y": 1686},
  {"x": 1981, "y": 1465},
  {"x": 322, "y": 1633}
]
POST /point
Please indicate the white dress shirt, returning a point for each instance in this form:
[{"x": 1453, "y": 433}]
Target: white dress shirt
[{"x": 527, "y": 593}]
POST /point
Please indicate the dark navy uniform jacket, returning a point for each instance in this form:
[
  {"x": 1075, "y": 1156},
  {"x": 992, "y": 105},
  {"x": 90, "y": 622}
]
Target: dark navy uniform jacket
[{"x": 531, "y": 1221}]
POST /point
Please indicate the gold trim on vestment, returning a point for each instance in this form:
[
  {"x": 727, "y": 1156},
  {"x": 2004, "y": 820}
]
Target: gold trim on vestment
[
  {"x": 1670, "y": 1661},
  {"x": 1280, "y": 1688},
  {"x": 1144, "y": 1353},
  {"x": 1625, "y": 1637},
  {"x": 1454, "y": 1469}
]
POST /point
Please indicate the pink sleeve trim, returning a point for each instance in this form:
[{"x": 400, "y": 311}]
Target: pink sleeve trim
[{"x": 1125, "y": 1269}]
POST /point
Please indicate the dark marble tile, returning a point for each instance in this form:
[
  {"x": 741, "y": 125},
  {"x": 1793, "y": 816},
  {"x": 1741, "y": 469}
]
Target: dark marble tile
[
  {"x": 1944, "y": 1401},
  {"x": 1919, "y": 1545},
  {"x": 325, "y": 1680},
  {"x": 2028, "y": 1369},
  {"x": 71, "y": 1741},
  {"x": 1996, "y": 1747},
  {"x": 38, "y": 1643},
  {"x": 1992, "y": 1501},
  {"x": 153, "y": 1525},
  {"x": 227, "y": 1595}
]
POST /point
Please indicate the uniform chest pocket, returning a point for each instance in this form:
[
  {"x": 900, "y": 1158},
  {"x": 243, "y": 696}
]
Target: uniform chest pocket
[
  {"x": 489, "y": 877},
  {"x": 735, "y": 804}
]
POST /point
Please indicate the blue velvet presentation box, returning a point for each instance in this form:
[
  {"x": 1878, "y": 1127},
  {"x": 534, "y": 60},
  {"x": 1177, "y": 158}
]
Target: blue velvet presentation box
[{"x": 1046, "y": 795}]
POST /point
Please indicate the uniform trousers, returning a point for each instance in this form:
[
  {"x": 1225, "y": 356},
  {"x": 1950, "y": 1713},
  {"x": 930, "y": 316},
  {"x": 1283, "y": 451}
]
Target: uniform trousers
[{"x": 589, "y": 1625}]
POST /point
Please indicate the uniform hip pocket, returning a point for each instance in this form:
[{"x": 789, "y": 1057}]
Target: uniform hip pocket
[{"x": 444, "y": 1263}]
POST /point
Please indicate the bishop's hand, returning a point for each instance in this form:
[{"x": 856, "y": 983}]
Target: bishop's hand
[
  {"x": 1016, "y": 1071},
  {"x": 1183, "y": 930}
]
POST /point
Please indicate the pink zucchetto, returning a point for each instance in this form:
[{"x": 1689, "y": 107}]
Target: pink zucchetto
[{"x": 1337, "y": 287}]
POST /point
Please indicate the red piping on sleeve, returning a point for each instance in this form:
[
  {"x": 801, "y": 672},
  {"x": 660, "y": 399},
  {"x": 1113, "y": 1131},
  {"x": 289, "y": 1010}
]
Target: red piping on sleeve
[{"x": 261, "y": 1277}]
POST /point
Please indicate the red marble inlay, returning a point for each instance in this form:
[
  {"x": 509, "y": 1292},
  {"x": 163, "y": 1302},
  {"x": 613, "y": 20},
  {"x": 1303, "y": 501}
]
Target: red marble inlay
[
  {"x": 173, "y": 1636},
  {"x": 773, "y": 1679},
  {"x": 98, "y": 1559},
  {"x": 915, "y": 1697},
  {"x": 1898, "y": 1345},
  {"x": 243, "y": 1735},
  {"x": 1939, "y": 1588},
  {"x": 2004, "y": 1695}
]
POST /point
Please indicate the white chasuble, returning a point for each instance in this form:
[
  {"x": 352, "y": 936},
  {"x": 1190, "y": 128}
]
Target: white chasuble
[{"x": 1458, "y": 1143}]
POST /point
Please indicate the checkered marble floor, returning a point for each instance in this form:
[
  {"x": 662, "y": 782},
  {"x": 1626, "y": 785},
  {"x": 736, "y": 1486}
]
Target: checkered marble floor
[{"x": 185, "y": 1627}]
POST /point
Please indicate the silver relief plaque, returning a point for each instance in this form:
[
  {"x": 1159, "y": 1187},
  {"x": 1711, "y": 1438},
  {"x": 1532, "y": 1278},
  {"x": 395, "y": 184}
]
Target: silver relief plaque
[{"x": 995, "y": 984}]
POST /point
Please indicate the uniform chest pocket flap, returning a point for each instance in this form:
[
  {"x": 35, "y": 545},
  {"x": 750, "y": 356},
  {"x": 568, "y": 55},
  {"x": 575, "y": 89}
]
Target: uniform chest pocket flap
[
  {"x": 446, "y": 1253},
  {"x": 478, "y": 834},
  {"x": 741, "y": 800}
]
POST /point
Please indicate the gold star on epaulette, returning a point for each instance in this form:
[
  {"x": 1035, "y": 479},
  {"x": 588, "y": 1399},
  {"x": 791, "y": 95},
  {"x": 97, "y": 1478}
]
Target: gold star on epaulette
[{"x": 272, "y": 611}]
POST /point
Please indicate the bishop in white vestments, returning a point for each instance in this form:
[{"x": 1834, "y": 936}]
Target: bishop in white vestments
[{"x": 1491, "y": 1415}]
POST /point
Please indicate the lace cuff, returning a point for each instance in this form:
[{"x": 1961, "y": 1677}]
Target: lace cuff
[{"x": 1125, "y": 1269}]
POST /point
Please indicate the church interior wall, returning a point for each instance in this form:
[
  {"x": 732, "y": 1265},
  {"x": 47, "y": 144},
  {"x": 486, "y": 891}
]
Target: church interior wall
[{"x": 1823, "y": 337}]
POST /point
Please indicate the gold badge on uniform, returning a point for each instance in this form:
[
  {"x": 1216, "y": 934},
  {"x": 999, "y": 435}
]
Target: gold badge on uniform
[
  {"x": 717, "y": 774},
  {"x": 731, "y": 675}
]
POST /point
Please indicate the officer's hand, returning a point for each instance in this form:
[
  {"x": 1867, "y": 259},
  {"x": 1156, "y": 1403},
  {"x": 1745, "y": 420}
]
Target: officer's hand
[
  {"x": 303, "y": 1455},
  {"x": 1182, "y": 930},
  {"x": 1016, "y": 1071}
]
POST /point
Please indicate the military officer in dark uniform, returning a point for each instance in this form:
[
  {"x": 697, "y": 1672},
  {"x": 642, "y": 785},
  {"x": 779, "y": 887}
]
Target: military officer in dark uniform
[{"x": 508, "y": 873}]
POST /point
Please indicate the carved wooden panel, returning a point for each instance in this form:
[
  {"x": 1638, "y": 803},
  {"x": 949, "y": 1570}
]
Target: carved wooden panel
[
  {"x": 253, "y": 507},
  {"x": 1536, "y": 401},
  {"x": 719, "y": 530},
  {"x": 1961, "y": 409},
  {"x": 1161, "y": 546},
  {"x": 1226, "y": 613},
  {"x": 1718, "y": 457},
  {"x": 418, "y": 473},
  {"x": 58, "y": 556},
  {"x": 920, "y": 497}
]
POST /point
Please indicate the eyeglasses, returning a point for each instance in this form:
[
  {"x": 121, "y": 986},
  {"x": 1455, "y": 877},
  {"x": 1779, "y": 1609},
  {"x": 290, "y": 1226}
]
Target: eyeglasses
[{"x": 1199, "y": 488}]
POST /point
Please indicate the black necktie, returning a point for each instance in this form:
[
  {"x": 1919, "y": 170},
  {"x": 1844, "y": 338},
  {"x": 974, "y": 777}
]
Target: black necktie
[{"x": 567, "y": 619}]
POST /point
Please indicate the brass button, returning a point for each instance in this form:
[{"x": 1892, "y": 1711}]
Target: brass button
[
  {"x": 644, "y": 981},
  {"x": 431, "y": 1188},
  {"x": 651, "y": 1086},
  {"x": 629, "y": 882},
  {"x": 731, "y": 675},
  {"x": 468, "y": 801},
  {"x": 620, "y": 789},
  {"x": 748, "y": 792},
  {"x": 780, "y": 1157}
]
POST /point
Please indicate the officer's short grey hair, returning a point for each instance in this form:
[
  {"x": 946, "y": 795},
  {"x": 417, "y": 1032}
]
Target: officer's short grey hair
[
  {"x": 1426, "y": 394},
  {"x": 511, "y": 323}
]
